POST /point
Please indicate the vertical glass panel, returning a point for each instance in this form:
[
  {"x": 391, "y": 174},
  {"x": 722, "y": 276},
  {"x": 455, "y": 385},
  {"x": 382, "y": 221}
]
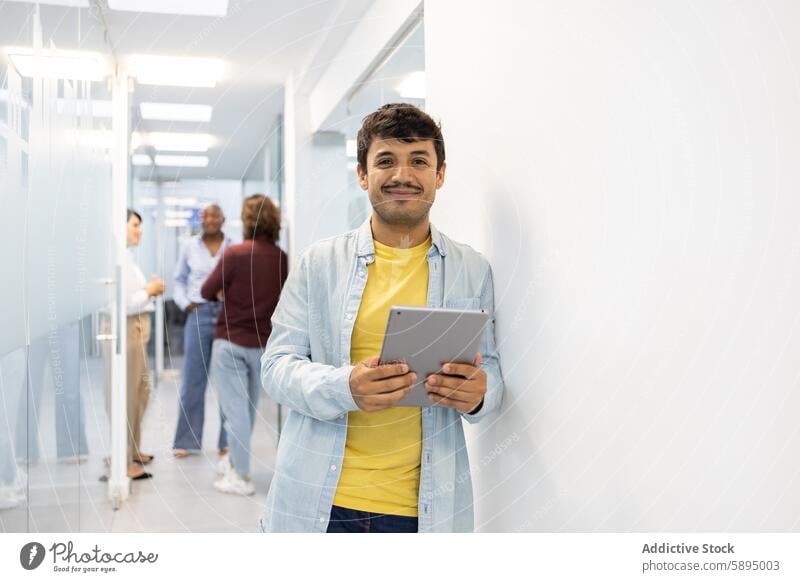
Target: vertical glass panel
[{"x": 55, "y": 186}]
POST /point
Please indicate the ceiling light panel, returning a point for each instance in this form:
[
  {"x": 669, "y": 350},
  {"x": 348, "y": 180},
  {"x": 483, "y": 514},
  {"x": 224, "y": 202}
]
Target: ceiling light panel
[
  {"x": 176, "y": 112},
  {"x": 179, "y": 200},
  {"x": 184, "y": 7},
  {"x": 179, "y": 142},
  {"x": 176, "y": 222},
  {"x": 176, "y": 71},
  {"x": 178, "y": 213},
  {"x": 55, "y": 64},
  {"x": 141, "y": 160},
  {"x": 76, "y": 3},
  {"x": 182, "y": 161}
]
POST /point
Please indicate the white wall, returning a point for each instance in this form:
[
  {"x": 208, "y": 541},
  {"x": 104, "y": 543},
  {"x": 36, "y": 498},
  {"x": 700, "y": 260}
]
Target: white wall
[
  {"x": 632, "y": 171},
  {"x": 315, "y": 172}
]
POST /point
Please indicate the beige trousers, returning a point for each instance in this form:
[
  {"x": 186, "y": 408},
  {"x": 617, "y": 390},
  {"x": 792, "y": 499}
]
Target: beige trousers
[{"x": 138, "y": 379}]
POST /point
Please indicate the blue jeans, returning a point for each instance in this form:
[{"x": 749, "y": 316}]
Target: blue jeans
[
  {"x": 345, "y": 520},
  {"x": 236, "y": 375},
  {"x": 197, "y": 338}
]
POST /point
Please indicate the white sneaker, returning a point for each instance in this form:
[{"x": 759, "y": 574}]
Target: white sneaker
[
  {"x": 13, "y": 494},
  {"x": 231, "y": 482},
  {"x": 224, "y": 464},
  {"x": 9, "y": 497}
]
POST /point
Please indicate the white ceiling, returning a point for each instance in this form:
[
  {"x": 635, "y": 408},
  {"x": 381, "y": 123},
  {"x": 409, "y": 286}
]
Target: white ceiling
[
  {"x": 382, "y": 85},
  {"x": 261, "y": 41}
]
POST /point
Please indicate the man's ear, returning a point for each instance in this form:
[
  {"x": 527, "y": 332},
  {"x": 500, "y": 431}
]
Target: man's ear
[
  {"x": 362, "y": 177},
  {"x": 440, "y": 175}
]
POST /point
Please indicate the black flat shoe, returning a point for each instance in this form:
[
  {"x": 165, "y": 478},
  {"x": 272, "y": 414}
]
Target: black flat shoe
[
  {"x": 140, "y": 462},
  {"x": 144, "y": 475}
]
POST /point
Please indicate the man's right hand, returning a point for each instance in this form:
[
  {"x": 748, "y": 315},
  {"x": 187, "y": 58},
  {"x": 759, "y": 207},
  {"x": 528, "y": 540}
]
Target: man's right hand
[
  {"x": 377, "y": 387},
  {"x": 191, "y": 307}
]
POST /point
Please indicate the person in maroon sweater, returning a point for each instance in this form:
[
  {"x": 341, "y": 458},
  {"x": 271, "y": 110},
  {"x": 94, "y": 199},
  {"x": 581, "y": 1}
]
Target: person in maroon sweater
[{"x": 248, "y": 277}]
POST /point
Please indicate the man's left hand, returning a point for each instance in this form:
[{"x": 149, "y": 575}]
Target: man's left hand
[{"x": 462, "y": 386}]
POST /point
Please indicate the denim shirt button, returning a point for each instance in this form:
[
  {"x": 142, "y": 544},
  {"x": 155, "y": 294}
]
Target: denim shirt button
[
  {"x": 349, "y": 316},
  {"x": 333, "y": 468}
]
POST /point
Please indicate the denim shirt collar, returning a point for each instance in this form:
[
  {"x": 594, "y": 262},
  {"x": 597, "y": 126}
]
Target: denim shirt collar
[{"x": 365, "y": 246}]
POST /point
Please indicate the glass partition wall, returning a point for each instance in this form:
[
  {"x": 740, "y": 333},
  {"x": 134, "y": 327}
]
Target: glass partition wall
[{"x": 59, "y": 295}]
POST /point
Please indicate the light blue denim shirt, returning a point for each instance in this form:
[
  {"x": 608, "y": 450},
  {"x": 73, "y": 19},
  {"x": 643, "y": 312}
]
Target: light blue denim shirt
[
  {"x": 306, "y": 368},
  {"x": 194, "y": 266}
]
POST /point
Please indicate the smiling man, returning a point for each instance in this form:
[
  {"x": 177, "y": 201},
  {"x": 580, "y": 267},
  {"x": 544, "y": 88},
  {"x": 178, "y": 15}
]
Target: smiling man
[{"x": 349, "y": 459}]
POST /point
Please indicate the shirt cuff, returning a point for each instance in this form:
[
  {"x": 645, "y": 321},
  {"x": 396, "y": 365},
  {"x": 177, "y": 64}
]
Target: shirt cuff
[
  {"x": 477, "y": 409},
  {"x": 344, "y": 393}
]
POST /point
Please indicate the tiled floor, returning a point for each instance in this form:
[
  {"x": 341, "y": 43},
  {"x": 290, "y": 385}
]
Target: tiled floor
[{"x": 180, "y": 497}]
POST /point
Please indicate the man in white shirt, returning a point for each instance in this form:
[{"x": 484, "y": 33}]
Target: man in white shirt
[{"x": 196, "y": 262}]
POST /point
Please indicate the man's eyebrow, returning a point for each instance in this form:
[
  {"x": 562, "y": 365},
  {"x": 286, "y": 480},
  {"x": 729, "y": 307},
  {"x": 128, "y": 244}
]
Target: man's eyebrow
[{"x": 413, "y": 153}]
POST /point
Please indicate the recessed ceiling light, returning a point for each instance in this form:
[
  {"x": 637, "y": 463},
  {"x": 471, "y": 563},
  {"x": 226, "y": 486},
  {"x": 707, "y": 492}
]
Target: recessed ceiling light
[
  {"x": 77, "y": 3},
  {"x": 175, "y": 222},
  {"x": 185, "y": 7},
  {"x": 178, "y": 213},
  {"x": 180, "y": 201},
  {"x": 141, "y": 160},
  {"x": 176, "y": 71},
  {"x": 413, "y": 86},
  {"x": 182, "y": 161},
  {"x": 56, "y": 64},
  {"x": 179, "y": 142},
  {"x": 175, "y": 112}
]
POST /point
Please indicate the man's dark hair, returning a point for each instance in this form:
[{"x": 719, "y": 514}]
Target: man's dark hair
[
  {"x": 133, "y": 213},
  {"x": 401, "y": 121}
]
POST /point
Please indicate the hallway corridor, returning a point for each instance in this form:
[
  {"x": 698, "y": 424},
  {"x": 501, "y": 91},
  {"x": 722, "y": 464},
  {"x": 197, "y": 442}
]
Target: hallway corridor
[{"x": 179, "y": 498}]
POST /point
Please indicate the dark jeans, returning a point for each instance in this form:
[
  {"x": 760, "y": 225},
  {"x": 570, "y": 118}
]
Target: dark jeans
[{"x": 345, "y": 520}]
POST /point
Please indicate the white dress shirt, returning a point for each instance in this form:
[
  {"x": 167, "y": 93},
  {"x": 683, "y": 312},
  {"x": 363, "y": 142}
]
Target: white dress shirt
[{"x": 138, "y": 301}]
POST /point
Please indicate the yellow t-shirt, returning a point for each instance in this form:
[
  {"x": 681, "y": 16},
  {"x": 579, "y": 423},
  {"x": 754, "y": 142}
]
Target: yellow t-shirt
[{"x": 380, "y": 471}]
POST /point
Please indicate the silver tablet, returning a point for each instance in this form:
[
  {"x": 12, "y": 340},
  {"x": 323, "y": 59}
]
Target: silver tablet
[{"x": 426, "y": 338}]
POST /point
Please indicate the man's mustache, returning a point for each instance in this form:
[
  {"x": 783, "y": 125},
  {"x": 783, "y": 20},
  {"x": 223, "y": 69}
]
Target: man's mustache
[{"x": 400, "y": 185}]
